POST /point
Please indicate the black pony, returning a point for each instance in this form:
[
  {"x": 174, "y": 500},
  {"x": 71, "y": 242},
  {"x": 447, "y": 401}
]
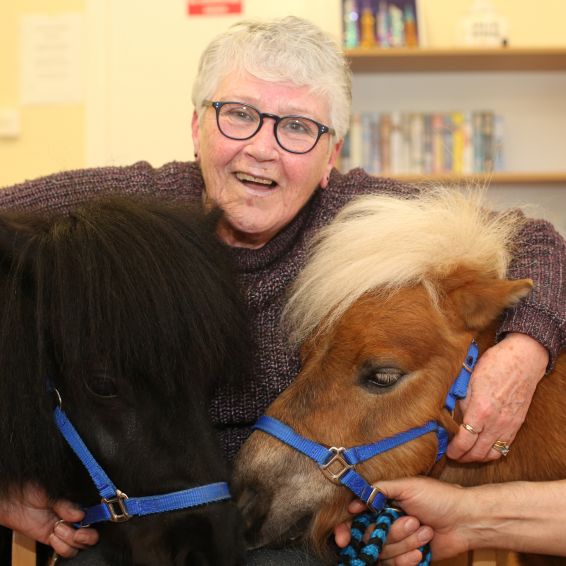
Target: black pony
[{"x": 130, "y": 310}]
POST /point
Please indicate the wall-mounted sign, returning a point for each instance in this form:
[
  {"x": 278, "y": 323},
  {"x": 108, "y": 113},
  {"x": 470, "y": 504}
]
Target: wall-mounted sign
[
  {"x": 214, "y": 7},
  {"x": 51, "y": 58}
]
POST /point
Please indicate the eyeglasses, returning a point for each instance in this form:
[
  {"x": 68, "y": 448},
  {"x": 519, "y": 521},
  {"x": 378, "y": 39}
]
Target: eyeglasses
[{"x": 239, "y": 121}]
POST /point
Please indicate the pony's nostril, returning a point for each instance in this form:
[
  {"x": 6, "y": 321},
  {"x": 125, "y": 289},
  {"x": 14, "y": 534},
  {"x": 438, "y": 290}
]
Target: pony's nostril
[{"x": 254, "y": 508}]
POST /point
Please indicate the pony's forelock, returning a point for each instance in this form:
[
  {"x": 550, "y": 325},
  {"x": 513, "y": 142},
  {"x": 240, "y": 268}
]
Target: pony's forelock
[
  {"x": 141, "y": 290},
  {"x": 370, "y": 247}
]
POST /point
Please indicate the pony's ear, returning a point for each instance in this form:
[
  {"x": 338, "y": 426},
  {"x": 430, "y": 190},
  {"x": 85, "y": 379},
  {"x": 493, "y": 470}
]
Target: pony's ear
[{"x": 478, "y": 301}]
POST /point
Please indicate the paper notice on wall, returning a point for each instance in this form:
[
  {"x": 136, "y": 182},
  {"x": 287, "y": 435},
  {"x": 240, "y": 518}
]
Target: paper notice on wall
[
  {"x": 51, "y": 59},
  {"x": 214, "y": 7}
]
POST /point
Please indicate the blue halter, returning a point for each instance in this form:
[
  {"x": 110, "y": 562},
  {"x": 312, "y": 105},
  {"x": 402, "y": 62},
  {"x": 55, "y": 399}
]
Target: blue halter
[
  {"x": 339, "y": 464},
  {"x": 115, "y": 505}
]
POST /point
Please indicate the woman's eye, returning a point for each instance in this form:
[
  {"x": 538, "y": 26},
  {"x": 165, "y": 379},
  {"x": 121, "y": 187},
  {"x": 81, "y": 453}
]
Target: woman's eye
[
  {"x": 298, "y": 126},
  {"x": 242, "y": 115},
  {"x": 102, "y": 385},
  {"x": 383, "y": 377}
]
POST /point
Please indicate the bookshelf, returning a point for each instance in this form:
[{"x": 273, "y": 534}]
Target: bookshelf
[
  {"x": 464, "y": 60},
  {"x": 487, "y": 178},
  {"x": 426, "y": 60}
]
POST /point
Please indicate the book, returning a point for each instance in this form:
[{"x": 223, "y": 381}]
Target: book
[{"x": 383, "y": 23}]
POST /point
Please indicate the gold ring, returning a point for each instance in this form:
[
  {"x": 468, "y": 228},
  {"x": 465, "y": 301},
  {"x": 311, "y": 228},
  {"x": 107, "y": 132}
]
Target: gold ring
[
  {"x": 470, "y": 428},
  {"x": 502, "y": 447}
]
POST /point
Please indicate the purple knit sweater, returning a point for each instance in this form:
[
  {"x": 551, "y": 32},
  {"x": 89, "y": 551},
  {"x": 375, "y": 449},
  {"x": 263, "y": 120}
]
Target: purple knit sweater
[{"x": 266, "y": 273}]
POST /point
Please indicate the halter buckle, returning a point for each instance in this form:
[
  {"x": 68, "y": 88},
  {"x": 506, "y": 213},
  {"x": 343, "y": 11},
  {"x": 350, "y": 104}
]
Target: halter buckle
[
  {"x": 116, "y": 507},
  {"x": 336, "y": 466},
  {"x": 369, "y": 502}
]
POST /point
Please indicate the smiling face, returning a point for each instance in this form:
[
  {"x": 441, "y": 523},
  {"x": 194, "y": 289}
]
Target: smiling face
[{"x": 260, "y": 186}]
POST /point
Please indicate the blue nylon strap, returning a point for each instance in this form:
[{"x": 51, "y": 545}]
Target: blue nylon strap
[
  {"x": 135, "y": 506},
  {"x": 360, "y": 487},
  {"x": 286, "y": 434},
  {"x": 102, "y": 482},
  {"x": 139, "y": 506},
  {"x": 351, "y": 478},
  {"x": 365, "y": 452},
  {"x": 459, "y": 388}
]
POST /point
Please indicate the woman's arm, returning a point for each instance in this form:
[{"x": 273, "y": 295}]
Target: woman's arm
[
  {"x": 529, "y": 340},
  {"x": 64, "y": 191},
  {"x": 518, "y": 516}
]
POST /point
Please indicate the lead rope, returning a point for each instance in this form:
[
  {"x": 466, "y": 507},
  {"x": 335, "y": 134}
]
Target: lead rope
[{"x": 360, "y": 553}]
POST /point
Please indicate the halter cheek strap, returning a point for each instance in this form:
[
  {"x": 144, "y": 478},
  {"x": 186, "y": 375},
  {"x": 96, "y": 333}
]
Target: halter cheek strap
[
  {"x": 338, "y": 464},
  {"x": 115, "y": 505}
]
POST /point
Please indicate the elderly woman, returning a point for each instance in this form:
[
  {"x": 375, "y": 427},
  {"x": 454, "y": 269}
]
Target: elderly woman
[{"x": 272, "y": 105}]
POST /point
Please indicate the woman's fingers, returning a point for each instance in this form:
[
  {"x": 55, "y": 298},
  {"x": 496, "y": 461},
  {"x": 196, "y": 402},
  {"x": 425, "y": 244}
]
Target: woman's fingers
[
  {"x": 406, "y": 536},
  {"x": 342, "y": 534}
]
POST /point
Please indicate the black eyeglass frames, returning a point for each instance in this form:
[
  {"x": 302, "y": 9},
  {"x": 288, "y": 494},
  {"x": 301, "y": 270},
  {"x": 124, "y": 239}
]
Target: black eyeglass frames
[{"x": 239, "y": 121}]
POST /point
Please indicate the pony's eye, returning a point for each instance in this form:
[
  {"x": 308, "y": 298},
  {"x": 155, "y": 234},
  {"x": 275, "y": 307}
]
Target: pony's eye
[
  {"x": 101, "y": 384},
  {"x": 381, "y": 377}
]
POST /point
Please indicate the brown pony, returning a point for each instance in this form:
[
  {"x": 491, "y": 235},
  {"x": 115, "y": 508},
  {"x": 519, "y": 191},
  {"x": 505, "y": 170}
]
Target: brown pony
[{"x": 386, "y": 308}]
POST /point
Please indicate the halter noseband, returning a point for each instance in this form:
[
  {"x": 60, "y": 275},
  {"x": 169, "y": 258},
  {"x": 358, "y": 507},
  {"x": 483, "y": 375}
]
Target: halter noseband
[
  {"x": 339, "y": 464},
  {"x": 115, "y": 505}
]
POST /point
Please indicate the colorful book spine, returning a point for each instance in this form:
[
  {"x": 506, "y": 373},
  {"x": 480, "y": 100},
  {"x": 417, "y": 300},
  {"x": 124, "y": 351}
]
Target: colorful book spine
[
  {"x": 383, "y": 23},
  {"x": 351, "y": 30},
  {"x": 459, "y": 142}
]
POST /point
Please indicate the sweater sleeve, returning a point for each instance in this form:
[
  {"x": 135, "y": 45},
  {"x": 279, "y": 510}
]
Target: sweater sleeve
[
  {"x": 541, "y": 256},
  {"x": 61, "y": 192}
]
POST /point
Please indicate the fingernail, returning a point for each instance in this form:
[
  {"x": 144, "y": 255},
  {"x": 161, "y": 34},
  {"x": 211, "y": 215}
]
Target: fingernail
[
  {"x": 81, "y": 538},
  {"x": 61, "y": 530},
  {"x": 411, "y": 525},
  {"x": 424, "y": 534}
]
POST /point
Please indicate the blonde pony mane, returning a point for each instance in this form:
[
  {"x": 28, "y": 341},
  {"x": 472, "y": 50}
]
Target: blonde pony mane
[{"x": 380, "y": 244}]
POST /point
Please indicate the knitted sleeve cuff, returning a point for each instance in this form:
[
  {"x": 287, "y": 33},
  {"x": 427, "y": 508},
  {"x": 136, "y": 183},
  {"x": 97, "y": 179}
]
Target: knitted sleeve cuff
[{"x": 538, "y": 323}]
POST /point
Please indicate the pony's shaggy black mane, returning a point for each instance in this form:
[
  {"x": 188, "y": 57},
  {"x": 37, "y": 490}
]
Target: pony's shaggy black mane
[{"x": 138, "y": 289}]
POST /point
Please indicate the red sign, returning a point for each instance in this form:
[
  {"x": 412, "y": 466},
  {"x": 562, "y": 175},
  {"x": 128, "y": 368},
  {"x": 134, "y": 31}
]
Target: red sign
[{"x": 214, "y": 7}]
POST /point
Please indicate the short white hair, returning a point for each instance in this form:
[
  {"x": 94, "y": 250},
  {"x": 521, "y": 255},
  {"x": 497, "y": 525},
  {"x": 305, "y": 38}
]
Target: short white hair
[{"x": 288, "y": 49}]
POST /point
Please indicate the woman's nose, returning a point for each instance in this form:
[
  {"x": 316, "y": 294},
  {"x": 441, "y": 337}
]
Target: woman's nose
[{"x": 263, "y": 146}]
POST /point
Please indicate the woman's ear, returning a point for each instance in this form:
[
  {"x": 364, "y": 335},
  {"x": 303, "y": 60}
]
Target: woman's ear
[
  {"x": 196, "y": 134},
  {"x": 334, "y": 153}
]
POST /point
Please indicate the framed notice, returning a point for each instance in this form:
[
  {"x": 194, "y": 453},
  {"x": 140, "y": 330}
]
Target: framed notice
[{"x": 214, "y": 7}]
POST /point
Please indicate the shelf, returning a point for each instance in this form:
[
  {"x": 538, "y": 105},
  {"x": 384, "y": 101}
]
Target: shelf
[
  {"x": 558, "y": 178},
  {"x": 403, "y": 60}
]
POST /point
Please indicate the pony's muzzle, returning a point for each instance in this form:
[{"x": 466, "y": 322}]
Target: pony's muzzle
[{"x": 254, "y": 507}]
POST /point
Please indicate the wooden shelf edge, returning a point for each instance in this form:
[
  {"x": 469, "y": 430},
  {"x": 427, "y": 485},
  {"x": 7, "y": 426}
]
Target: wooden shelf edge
[
  {"x": 558, "y": 178},
  {"x": 402, "y": 60}
]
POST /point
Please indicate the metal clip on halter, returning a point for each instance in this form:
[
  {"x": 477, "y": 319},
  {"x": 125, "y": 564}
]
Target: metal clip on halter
[
  {"x": 336, "y": 466},
  {"x": 116, "y": 507},
  {"x": 374, "y": 493}
]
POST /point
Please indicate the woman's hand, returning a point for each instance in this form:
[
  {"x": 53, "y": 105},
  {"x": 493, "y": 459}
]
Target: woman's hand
[
  {"x": 500, "y": 393},
  {"x": 35, "y": 516},
  {"x": 444, "y": 507},
  {"x": 406, "y": 536}
]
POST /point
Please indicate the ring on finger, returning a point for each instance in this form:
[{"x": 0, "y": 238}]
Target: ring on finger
[
  {"x": 57, "y": 523},
  {"x": 502, "y": 447},
  {"x": 470, "y": 428}
]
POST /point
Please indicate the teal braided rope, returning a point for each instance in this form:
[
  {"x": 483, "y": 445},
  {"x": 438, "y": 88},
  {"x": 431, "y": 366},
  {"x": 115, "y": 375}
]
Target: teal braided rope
[{"x": 360, "y": 553}]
